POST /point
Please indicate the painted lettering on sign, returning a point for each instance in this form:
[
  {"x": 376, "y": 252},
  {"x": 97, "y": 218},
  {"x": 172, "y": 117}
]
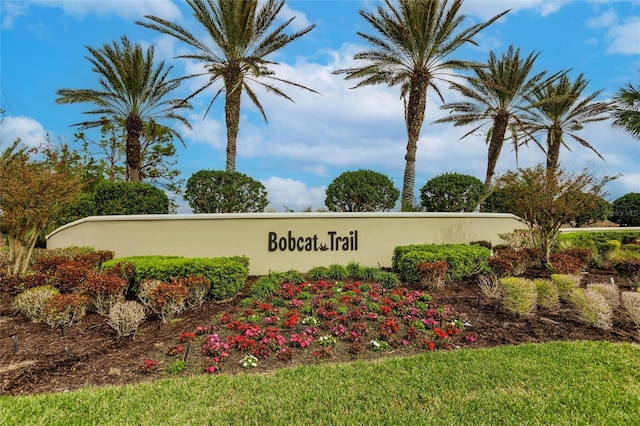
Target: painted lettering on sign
[{"x": 332, "y": 242}]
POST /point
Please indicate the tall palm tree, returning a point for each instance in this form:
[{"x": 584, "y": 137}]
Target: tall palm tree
[
  {"x": 412, "y": 50},
  {"x": 497, "y": 95},
  {"x": 241, "y": 33},
  {"x": 560, "y": 109},
  {"x": 627, "y": 112},
  {"x": 132, "y": 89}
]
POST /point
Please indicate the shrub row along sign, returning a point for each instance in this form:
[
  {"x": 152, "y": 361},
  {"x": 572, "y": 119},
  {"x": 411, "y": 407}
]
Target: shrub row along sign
[{"x": 332, "y": 242}]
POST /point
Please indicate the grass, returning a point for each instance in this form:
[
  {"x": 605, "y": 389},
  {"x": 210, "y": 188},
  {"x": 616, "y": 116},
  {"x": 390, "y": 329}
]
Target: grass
[{"x": 568, "y": 383}]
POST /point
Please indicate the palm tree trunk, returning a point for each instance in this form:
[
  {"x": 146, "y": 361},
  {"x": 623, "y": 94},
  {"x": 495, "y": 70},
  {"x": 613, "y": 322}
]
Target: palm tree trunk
[
  {"x": 233, "y": 89},
  {"x": 414, "y": 117},
  {"x": 133, "y": 126},
  {"x": 495, "y": 146},
  {"x": 554, "y": 140}
]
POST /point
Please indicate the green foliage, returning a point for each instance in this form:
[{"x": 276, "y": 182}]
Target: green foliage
[
  {"x": 226, "y": 274},
  {"x": 519, "y": 295},
  {"x": 386, "y": 279},
  {"x": 361, "y": 191},
  {"x": 565, "y": 284},
  {"x": 264, "y": 287},
  {"x": 293, "y": 276},
  {"x": 626, "y": 210},
  {"x": 217, "y": 191},
  {"x": 337, "y": 272},
  {"x": 546, "y": 293},
  {"x": 498, "y": 201},
  {"x": 464, "y": 260},
  {"x": 318, "y": 273},
  {"x": 177, "y": 366},
  {"x": 601, "y": 243},
  {"x": 126, "y": 198},
  {"x": 452, "y": 192}
]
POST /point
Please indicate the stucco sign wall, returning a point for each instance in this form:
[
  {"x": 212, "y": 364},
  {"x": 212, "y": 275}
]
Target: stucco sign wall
[{"x": 281, "y": 241}]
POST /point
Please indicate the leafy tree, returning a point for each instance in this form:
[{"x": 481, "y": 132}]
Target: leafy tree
[
  {"x": 123, "y": 198},
  {"x": 132, "y": 90},
  {"x": 31, "y": 193},
  {"x": 560, "y": 109},
  {"x": 217, "y": 191},
  {"x": 498, "y": 201},
  {"x": 452, "y": 192},
  {"x": 599, "y": 209},
  {"x": 413, "y": 49},
  {"x": 627, "y": 109},
  {"x": 626, "y": 210},
  {"x": 497, "y": 95},
  {"x": 242, "y": 33},
  {"x": 361, "y": 191},
  {"x": 545, "y": 202}
]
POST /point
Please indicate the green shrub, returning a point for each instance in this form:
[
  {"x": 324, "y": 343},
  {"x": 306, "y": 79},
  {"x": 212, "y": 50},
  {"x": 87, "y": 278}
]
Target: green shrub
[
  {"x": 452, "y": 192},
  {"x": 546, "y": 293},
  {"x": 217, "y": 191},
  {"x": 601, "y": 243},
  {"x": 226, "y": 274},
  {"x": 31, "y": 302},
  {"x": 565, "y": 284},
  {"x": 463, "y": 260},
  {"x": 631, "y": 248},
  {"x": 519, "y": 295},
  {"x": 361, "y": 191},
  {"x": 354, "y": 268},
  {"x": 293, "y": 276},
  {"x": 124, "y": 198},
  {"x": 592, "y": 308},
  {"x": 626, "y": 210}
]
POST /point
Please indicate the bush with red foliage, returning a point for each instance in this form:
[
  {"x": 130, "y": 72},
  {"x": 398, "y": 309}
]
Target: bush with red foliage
[
  {"x": 64, "y": 310},
  {"x": 432, "y": 274},
  {"x": 563, "y": 263},
  {"x": 104, "y": 290},
  {"x": 69, "y": 276},
  {"x": 628, "y": 269}
]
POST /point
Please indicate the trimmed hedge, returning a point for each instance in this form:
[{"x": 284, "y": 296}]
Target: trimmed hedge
[
  {"x": 464, "y": 260},
  {"x": 599, "y": 242},
  {"x": 227, "y": 274}
]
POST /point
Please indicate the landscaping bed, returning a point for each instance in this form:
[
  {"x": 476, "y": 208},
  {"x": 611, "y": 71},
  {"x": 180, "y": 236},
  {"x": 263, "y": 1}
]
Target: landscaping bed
[{"x": 35, "y": 358}]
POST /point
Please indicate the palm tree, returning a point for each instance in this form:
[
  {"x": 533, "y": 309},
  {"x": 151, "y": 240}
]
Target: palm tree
[
  {"x": 132, "y": 90},
  {"x": 560, "y": 109},
  {"x": 497, "y": 96},
  {"x": 627, "y": 112},
  {"x": 412, "y": 50},
  {"x": 241, "y": 32}
]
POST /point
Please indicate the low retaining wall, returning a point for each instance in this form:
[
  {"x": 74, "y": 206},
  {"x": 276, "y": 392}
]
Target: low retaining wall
[{"x": 281, "y": 241}]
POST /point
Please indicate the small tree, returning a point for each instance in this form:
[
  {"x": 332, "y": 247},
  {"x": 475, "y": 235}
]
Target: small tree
[
  {"x": 545, "y": 203},
  {"x": 119, "y": 198},
  {"x": 452, "y": 192},
  {"x": 217, "y": 191},
  {"x": 361, "y": 191},
  {"x": 626, "y": 210},
  {"x": 31, "y": 193}
]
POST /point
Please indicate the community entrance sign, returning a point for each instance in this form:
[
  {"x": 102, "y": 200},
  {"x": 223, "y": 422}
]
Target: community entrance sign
[{"x": 281, "y": 241}]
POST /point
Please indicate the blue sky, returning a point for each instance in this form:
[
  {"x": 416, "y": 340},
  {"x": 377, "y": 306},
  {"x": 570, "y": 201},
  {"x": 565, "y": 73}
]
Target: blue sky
[{"x": 308, "y": 143}]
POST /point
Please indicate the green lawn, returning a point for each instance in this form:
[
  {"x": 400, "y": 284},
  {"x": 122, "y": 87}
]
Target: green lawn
[{"x": 552, "y": 383}]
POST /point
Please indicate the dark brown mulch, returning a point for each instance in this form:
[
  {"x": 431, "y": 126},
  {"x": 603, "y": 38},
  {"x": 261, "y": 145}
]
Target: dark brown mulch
[{"x": 36, "y": 359}]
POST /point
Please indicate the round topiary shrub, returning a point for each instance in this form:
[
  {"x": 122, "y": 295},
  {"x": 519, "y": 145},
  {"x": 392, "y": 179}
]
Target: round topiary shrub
[
  {"x": 452, "y": 192},
  {"x": 361, "y": 191},
  {"x": 217, "y": 191},
  {"x": 626, "y": 210},
  {"x": 120, "y": 198}
]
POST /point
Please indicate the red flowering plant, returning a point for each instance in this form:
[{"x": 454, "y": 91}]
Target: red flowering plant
[
  {"x": 291, "y": 318},
  {"x": 301, "y": 340},
  {"x": 149, "y": 365},
  {"x": 215, "y": 349}
]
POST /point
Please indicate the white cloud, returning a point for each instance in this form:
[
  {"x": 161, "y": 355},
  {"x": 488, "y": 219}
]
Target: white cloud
[
  {"x": 165, "y": 9},
  {"x": 625, "y": 38},
  {"x": 29, "y": 131},
  {"x": 487, "y": 9},
  {"x": 299, "y": 23},
  {"x": 605, "y": 20},
  {"x": 12, "y": 11},
  {"x": 284, "y": 193}
]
